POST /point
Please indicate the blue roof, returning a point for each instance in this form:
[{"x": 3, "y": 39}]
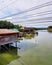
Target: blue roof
[{"x": 15, "y": 29}]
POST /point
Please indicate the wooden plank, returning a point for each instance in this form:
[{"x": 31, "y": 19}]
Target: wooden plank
[{"x": 8, "y": 39}]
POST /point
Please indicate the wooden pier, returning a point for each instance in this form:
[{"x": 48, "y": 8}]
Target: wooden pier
[{"x": 8, "y": 36}]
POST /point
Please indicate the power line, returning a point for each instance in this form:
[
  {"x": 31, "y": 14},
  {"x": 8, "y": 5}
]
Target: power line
[
  {"x": 41, "y": 13},
  {"x": 33, "y": 15},
  {"x": 38, "y": 22},
  {"x": 30, "y": 9},
  {"x": 42, "y": 22},
  {"x": 38, "y": 19}
]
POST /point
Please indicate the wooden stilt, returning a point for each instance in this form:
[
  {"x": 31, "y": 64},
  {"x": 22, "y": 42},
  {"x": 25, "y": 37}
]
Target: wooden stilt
[
  {"x": 16, "y": 48},
  {"x": 0, "y": 48}
]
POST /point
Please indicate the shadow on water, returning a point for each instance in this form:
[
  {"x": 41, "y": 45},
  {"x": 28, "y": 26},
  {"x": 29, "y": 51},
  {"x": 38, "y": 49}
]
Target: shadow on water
[{"x": 8, "y": 54}]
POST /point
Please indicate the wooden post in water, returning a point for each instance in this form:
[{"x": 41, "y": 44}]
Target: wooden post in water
[
  {"x": 16, "y": 48},
  {"x": 0, "y": 48}
]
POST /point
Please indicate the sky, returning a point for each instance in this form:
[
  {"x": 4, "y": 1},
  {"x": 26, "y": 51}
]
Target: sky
[{"x": 27, "y": 12}]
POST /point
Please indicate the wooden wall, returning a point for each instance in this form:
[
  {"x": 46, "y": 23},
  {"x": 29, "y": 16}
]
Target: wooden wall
[{"x": 8, "y": 39}]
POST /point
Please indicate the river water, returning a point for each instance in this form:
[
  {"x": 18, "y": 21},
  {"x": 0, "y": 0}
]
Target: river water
[{"x": 35, "y": 49}]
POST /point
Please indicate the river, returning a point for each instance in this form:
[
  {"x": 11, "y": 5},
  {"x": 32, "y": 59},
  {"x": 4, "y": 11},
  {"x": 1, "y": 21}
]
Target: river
[{"x": 35, "y": 50}]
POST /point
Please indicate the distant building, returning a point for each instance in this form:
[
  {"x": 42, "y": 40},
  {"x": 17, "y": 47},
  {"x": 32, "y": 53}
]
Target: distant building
[
  {"x": 15, "y": 29},
  {"x": 27, "y": 30}
]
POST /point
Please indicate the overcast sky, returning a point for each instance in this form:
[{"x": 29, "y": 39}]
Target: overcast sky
[{"x": 8, "y": 7}]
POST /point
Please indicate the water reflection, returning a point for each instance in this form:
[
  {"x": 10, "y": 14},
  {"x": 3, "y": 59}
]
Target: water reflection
[
  {"x": 29, "y": 36},
  {"x": 27, "y": 42}
]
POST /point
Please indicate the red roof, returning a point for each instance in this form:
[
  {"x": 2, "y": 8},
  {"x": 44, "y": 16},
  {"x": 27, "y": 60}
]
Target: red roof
[
  {"x": 1, "y": 36},
  {"x": 7, "y": 31}
]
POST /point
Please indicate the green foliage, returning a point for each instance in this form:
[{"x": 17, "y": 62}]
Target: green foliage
[
  {"x": 49, "y": 26},
  {"x": 7, "y": 57},
  {"x": 41, "y": 28},
  {"x": 6, "y": 24},
  {"x": 18, "y": 27}
]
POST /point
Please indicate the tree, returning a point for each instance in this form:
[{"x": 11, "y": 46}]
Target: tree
[
  {"x": 49, "y": 28},
  {"x": 6, "y": 24}
]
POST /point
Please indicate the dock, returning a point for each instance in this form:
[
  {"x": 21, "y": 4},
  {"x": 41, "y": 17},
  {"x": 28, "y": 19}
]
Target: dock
[{"x": 8, "y": 36}]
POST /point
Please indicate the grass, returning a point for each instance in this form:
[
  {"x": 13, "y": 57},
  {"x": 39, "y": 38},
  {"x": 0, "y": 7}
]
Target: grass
[{"x": 7, "y": 57}]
